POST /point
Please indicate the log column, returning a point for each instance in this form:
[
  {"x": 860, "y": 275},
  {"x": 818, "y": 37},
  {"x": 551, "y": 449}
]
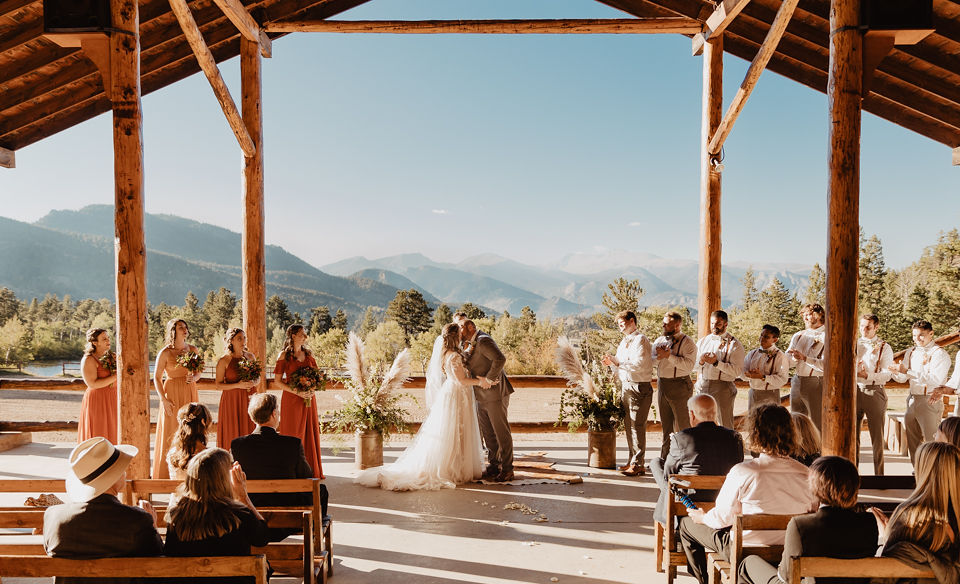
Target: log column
[
  {"x": 131, "y": 257},
  {"x": 708, "y": 289},
  {"x": 254, "y": 269},
  {"x": 844, "y": 88}
]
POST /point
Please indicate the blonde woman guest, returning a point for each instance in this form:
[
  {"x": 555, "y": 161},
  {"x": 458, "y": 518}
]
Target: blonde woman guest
[
  {"x": 98, "y": 410},
  {"x": 232, "y": 418},
  {"x": 177, "y": 390},
  {"x": 924, "y": 530},
  {"x": 808, "y": 439},
  {"x": 296, "y": 417},
  {"x": 211, "y": 513},
  {"x": 193, "y": 420}
]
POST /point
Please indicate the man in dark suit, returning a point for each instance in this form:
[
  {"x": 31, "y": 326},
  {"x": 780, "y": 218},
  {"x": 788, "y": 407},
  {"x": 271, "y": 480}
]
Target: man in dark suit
[
  {"x": 703, "y": 449},
  {"x": 95, "y": 524},
  {"x": 265, "y": 454},
  {"x": 485, "y": 362}
]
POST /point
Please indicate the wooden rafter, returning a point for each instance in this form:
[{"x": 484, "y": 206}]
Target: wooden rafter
[
  {"x": 247, "y": 26},
  {"x": 676, "y": 25},
  {"x": 209, "y": 66},
  {"x": 750, "y": 80},
  {"x": 717, "y": 22},
  {"x": 7, "y": 158}
]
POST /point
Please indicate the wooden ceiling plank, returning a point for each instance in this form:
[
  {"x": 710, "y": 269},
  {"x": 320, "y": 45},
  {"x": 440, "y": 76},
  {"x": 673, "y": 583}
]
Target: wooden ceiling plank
[
  {"x": 63, "y": 119},
  {"x": 22, "y": 35},
  {"x": 718, "y": 22},
  {"x": 38, "y": 58},
  {"x": 7, "y": 158},
  {"x": 10, "y": 6},
  {"x": 209, "y": 66},
  {"x": 750, "y": 80},
  {"x": 654, "y": 25},
  {"x": 245, "y": 23}
]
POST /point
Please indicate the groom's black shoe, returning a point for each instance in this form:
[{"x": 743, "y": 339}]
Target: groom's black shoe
[
  {"x": 504, "y": 477},
  {"x": 490, "y": 473}
]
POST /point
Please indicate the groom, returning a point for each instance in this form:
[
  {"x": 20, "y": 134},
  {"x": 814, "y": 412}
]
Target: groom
[{"x": 485, "y": 362}]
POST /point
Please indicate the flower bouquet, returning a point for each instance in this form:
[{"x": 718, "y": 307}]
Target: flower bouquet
[
  {"x": 374, "y": 401},
  {"x": 109, "y": 361},
  {"x": 592, "y": 396},
  {"x": 249, "y": 369},
  {"x": 307, "y": 380},
  {"x": 192, "y": 362}
]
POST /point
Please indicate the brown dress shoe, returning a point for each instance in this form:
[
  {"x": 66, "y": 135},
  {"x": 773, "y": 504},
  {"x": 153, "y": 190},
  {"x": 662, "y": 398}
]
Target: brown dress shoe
[
  {"x": 632, "y": 471},
  {"x": 628, "y": 466},
  {"x": 490, "y": 473}
]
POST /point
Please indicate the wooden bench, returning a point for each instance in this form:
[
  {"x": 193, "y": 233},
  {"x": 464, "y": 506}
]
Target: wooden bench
[
  {"x": 725, "y": 571},
  {"x": 32, "y": 488},
  {"x": 23, "y": 566},
  {"x": 288, "y": 558},
  {"x": 819, "y": 567},
  {"x": 667, "y": 556}
]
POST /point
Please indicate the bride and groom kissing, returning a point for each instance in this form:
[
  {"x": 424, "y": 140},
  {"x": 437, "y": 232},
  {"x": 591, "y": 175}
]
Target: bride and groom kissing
[{"x": 467, "y": 395}]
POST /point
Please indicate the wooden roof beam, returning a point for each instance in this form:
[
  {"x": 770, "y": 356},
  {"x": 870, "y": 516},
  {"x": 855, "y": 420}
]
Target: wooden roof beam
[
  {"x": 7, "y": 158},
  {"x": 750, "y": 80},
  {"x": 247, "y": 26},
  {"x": 717, "y": 22},
  {"x": 654, "y": 25},
  {"x": 209, "y": 66}
]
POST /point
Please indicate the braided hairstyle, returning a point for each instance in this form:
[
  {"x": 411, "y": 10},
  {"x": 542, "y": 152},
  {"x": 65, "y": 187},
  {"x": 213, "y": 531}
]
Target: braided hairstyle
[{"x": 191, "y": 435}]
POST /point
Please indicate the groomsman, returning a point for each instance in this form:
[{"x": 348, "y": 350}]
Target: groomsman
[
  {"x": 719, "y": 363},
  {"x": 633, "y": 364},
  {"x": 925, "y": 366},
  {"x": 951, "y": 387},
  {"x": 806, "y": 352},
  {"x": 765, "y": 369},
  {"x": 675, "y": 355},
  {"x": 874, "y": 358}
]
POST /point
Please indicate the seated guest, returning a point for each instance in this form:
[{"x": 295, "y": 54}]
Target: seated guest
[
  {"x": 703, "y": 449},
  {"x": 190, "y": 438},
  {"x": 772, "y": 483},
  {"x": 836, "y": 530},
  {"x": 210, "y": 514},
  {"x": 265, "y": 454},
  {"x": 949, "y": 431},
  {"x": 923, "y": 531},
  {"x": 95, "y": 524},
  {"x": 808, "y": 439}
]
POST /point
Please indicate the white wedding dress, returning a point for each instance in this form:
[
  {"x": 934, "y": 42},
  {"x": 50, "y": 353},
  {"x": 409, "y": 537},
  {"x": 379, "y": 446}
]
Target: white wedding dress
[{"x": 446, "y": 451}]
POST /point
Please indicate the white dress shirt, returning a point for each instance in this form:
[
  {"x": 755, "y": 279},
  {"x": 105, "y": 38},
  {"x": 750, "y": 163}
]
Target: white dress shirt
[
  {"x": 635, "y": 358},
  {"x": 811, "y": 343},
  {"x": 682, "y": 357},
  {"x": 729, "y": 354},
  {"x": 927, "y": 368},
  {"x": 767, "y": 484},
  {"x": 955, "y": 378},
  {"x": 773, "y": 365},
  {"x": 876, "y": 356}
]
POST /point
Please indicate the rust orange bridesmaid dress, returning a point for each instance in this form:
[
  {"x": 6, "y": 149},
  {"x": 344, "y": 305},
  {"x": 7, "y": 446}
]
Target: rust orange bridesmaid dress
[
  {"x": 180, "y": 393},
  {"x": 98, "y": 410},
  {"x": 233, "y": 420},
  {"x": 296, "y": 417}
]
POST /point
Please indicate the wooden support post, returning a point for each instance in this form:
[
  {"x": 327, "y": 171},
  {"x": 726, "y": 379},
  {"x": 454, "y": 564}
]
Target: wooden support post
[
  {"x": 254, "y": 269},
  {"x": 718, "y": 22},
  {"x": 209, "y": 66},
  {"x": 844, "y": 91},
  {"x": 133, "y": 368},
  {"x": 653, "y": 25},
  {"x": 750, "y": 80},
  {"x": 708, "y": 292},
  {"x": 7, "y": 158},
  {"x": 247, "y": 26}
]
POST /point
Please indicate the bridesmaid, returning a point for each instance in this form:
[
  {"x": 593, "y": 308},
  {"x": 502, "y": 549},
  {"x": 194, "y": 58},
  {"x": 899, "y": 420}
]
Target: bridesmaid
[
  {"x": 297, "y": 418},
  {"x": 233, "y": 420},
  {"x": 179, "y": 389},
  {"x": 98, "y": 411}
]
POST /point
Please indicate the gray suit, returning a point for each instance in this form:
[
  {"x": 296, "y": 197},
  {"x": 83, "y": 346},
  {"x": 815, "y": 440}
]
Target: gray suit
[{"x": 484, "y": 359}]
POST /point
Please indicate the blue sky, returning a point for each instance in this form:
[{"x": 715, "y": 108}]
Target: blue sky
[{"x": 531, "y": 147}]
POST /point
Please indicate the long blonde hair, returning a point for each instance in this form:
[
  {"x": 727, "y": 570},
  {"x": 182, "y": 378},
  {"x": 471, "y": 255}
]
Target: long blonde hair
[
  {"x": 808, "y": 437},
  {"x": 203, "y": 506},
  {"x": 931, "y": 512}
]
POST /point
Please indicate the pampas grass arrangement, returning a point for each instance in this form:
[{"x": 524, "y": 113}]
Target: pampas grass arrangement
[{"x": 592, "y": 397}]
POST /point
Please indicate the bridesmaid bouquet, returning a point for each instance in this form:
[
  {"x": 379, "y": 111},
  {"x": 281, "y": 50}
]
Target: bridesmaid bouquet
[
  {"x": 592, "y": 396},
  {"x": 191, "y": 361},
  {"x": 109, "y": 362},
  {"x": 249, "y": 369},
  {"x": 307, "y": 380}
]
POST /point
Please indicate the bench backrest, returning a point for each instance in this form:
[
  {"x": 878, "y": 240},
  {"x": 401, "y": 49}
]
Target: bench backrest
[
  {"x": 888, "y": 482},
  {"x": 158, "y": 567},
  {"x": 676, "y": 509},
  {"x": 856, "y": 568},
  {"x": 755, "y": 522}
]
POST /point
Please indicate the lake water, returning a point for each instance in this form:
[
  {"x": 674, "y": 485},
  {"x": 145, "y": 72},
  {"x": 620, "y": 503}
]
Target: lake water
[{"x": 52, "y": 368}]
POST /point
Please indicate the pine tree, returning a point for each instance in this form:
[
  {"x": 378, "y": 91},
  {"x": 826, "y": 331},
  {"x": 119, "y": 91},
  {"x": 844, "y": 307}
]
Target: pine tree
[
  {"x": 817, "y": 290},
  {"x": 472, "y": 311},
  {"x": 278, "y": 315},
  {"x": 442, "y": 316},
  {"x": 873, "y": 274},
  {"x": 340, "y": 320},
  {"x": 371, "y": 318},
  {"x": 528, "y": 317},
  {"x": 320, "y": 321},
  {"x": 780, "y": 308},
  {"x": 749, "y": 295},
  {"x": 409, "y": 309},
  {"x": 918, "y": 305}
]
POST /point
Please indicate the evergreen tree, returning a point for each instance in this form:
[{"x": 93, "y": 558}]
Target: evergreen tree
[
  {"x": 218, "y": 311},
  {"x": 816, "y": 292},
  {"x": 410, "y": 311},
  {"x": 472, "y": 311},
  {"x": 527, "y": 316},
  {"x": 873, "y": 275},
  {"x": 780, "y": 308},
  {"x": 9, "y": 305},
  {"x": 371, "y": 318},
  {"x": 278, "y": 315},
  {"x": 191, "y": 303},
  {"x": 918, "y": 305},
  {"x": 749, "y": 294},
  {"x": 320, "y": 321},
  {"x": 442, "y": 316},
  {"x": 340, "y": 320}
]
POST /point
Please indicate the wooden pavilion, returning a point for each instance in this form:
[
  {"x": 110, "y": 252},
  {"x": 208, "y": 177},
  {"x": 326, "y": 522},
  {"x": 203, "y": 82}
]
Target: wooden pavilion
[{"x": 80, "y": 58}]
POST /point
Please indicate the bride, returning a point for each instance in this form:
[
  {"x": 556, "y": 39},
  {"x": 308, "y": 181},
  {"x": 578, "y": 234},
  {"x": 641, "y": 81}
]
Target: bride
[{"x": 446, "y": 451}]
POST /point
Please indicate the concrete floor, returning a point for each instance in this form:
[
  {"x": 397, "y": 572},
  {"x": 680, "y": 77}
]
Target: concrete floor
[{"x": 598, "y": 531}]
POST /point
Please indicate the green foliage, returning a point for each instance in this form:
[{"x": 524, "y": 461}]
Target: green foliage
[
  {"x": 371, "y": 318},
  {"x": 384, "y": 343},
  {"x": 320, "y": 321},
  {"x": 15, "y": 341},
  {"x": 816, "y": 292},
  {"x": 409, "y": 309},
  {"x": 442, "y": 316},
  {"x": 472, "y": 311},
  {"x": 365, "y": 410},
  {"x": 602, "y": 412},
  {"x": 278, "y": 315},
  {"x": 527, "y": 345},
  {"x": 328, "y": 347},
  {"x": 339, "y": 320}
]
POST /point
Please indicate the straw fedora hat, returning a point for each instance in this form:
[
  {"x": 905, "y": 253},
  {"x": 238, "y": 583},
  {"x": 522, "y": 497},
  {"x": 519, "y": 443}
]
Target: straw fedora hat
[{"x": 95, "y": 465}]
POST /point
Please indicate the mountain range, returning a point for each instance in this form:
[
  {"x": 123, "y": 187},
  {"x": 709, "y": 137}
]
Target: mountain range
[{"x": 71, "y": 252}]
